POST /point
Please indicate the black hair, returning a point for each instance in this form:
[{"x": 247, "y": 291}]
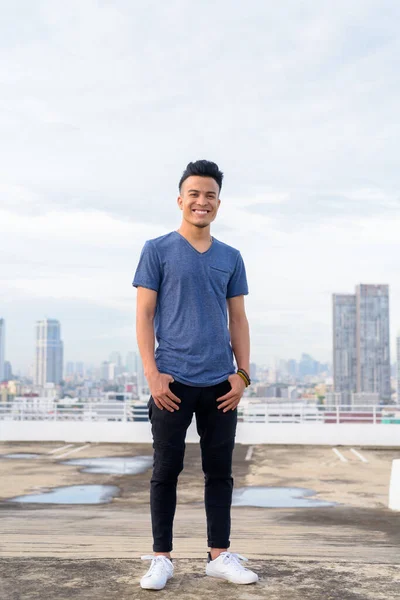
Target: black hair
[{"x": 202, "y": 168}]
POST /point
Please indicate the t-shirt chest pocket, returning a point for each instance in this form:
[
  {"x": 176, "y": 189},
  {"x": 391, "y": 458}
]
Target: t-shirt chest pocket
[{"x": 219, "y": 279}]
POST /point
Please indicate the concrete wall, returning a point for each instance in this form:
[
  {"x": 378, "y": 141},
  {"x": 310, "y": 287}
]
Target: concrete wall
[{"x": 247, "y": 433}]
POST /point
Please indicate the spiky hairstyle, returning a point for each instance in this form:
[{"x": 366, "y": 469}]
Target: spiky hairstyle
[{"x": 202, "y": 168}]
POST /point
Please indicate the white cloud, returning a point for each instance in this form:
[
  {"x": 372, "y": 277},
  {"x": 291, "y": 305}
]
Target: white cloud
[
  {"x": 103, "y": 104},
  {"x": 85, "y": 228}
]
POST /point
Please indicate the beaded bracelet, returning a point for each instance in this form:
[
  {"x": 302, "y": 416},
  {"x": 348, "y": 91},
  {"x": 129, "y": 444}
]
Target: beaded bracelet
[
  {"x": 242, "y": 373},
  {"x": 245, "y": 374},
  {"x": 243, "y": 377}
]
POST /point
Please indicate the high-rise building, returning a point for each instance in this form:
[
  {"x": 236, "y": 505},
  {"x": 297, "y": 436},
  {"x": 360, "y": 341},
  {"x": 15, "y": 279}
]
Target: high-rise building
[
  {"x": 108, "y": 371},
  {"x": 142, "y": 384},
  {"x": 292, "y": 367},
  {"x": 113, "y": 371},
  {"x": 283, "y": 370},
  {"x": 344, "y": 346},
  {"x": 361, "y": 342},
  {"x": 373, "y": 340},
  {"x": 308, "y": 366},
  {"x": 49, "y": 352},
  {"x": 105, "y": 370},
  {"x": 116, "y": 359},
  {"x": 131, "y": 363},
  {"x": 79, "y": 368},
  {"x": 2, "y": 348},
  {"x": 8, "y": 374},
  {"x": 69, "y": 369}
]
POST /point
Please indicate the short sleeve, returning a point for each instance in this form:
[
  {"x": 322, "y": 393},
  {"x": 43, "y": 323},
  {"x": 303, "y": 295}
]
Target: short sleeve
[
  {"x": 237, "y": 285},
  {"x": 148, "y": 271}
]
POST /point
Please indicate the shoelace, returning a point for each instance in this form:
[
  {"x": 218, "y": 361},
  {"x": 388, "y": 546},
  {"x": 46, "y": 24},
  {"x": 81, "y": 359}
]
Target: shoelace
[
  {"x": 156, "y": 561},
  {"x": 234, "y": 559}
]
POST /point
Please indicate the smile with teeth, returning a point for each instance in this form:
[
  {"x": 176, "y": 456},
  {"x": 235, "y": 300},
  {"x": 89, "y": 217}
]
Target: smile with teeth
[{"x": 200, "y": 212}]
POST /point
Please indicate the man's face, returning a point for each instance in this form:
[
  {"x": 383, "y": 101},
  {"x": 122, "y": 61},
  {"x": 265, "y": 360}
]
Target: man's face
[{"x": 199, "y": 200}]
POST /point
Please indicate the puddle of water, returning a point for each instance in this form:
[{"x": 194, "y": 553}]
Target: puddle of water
[
  {"x": 279, "y": 497},
  {"x": 72, "y": 494},
  {"x": 118, "y": 465},
  {"x": 20, "y": 455}
]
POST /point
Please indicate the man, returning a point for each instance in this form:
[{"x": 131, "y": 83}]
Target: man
[{"x": 186, "y": 280}]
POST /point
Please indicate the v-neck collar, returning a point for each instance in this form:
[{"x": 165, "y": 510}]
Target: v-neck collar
[{"x": 193, "y": 248}]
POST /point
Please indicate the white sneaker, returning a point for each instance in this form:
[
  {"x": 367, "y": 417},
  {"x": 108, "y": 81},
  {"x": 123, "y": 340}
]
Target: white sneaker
[
  {"x": 228, "y": 566},
  {"x": 161, "y": 569}
]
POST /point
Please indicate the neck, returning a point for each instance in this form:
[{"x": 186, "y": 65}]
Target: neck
[{"x": 195, "y": 234}]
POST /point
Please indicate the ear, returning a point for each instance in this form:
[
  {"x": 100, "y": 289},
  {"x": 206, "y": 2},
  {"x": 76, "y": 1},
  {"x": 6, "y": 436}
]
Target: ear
[{"x": 179, "y": 202}]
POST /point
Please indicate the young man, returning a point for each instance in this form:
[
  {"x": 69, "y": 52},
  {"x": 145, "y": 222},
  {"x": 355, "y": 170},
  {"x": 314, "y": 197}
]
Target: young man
[{"x": 186, "y": 281}]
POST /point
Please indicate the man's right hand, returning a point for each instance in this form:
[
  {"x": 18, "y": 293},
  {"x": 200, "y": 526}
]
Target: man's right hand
[{"x": 162, "y": 395}]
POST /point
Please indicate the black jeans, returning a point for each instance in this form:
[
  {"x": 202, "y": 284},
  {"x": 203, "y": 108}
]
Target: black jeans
[{"x": 217, "y": 432}]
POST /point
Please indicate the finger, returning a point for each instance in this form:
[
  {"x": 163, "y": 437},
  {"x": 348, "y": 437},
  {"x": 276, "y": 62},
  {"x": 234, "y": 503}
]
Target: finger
[
  {"x": 157, "y": 403},
  {"x": 230, "y": 407},
  {"x": 172, "y": 396},
  {"x": 168, "y": 408},
  {"x": 228, "y": 403},
  {"x": 227, "y": 396},
  {"x": 164, "y": 404},
  {"x": 171, "y": 403}
]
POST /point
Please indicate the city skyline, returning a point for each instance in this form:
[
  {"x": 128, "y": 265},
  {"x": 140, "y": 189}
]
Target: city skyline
[
  {"x": 70, "y": 366},
  {"x": 271, "y": 361},
  {"x": 46, "y": 341}
]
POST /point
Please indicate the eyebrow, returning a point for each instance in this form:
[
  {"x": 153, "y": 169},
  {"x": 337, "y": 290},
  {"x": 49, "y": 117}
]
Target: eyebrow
[{"x": 198, "y": 191}]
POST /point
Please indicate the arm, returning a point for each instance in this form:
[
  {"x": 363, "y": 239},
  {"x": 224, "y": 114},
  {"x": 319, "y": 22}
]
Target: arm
[
  {"x": 145, "y": 311},
  {"x": 158, "y": 382},
  {"x": 240, "y": 340},
  {"x": 239, "y": 332}
]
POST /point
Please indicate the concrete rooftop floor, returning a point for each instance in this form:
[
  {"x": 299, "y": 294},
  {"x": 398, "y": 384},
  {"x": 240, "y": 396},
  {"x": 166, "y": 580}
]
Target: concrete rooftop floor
[{"x": 349, "y": 551}]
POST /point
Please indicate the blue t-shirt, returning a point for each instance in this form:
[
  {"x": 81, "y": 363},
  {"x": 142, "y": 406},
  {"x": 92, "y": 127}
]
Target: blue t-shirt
[{"x": 191, "y": 321}]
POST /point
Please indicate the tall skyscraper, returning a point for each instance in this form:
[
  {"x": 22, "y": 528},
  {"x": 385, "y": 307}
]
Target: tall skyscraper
[
  {"x": 70, "y": 369},
  {"x": 131, "y": 362},
  {"x": 344, "y": 346},
  {"x": 2, "y": 348},
  {"x": 105, "y": 370},
  {"x": 292, "y": 367},
  {"x": 8, "y": 374},
  {"x": 253, "y": 371},
  {"x": 49, "y": 352},
  {"x": 116, "y": 359},
  {"x": 361, "y": 342},
  {"x": 141, "y": 379},
  {"x": 373, "y": 340},
  {"x": 80, "y": 368}
]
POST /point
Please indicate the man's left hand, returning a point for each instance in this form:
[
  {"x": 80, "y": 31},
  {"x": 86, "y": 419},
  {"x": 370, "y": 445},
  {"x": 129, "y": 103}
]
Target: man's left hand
[{"x": 232, "y": 398}]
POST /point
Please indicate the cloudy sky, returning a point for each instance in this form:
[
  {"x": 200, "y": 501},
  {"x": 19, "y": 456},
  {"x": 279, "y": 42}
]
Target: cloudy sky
[{"x": 102, "y": 104}]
